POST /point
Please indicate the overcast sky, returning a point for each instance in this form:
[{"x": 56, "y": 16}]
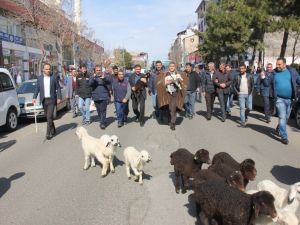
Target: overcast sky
[{"x": 139, "y": 25}]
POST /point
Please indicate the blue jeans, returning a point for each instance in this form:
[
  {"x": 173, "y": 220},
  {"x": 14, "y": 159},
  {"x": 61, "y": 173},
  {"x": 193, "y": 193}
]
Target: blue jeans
[
  {"x": 153, "y": 101},
  {"x": 190, "y": 103},
  {"x": 284, "y": 110},
  {"x": 85, "y": 111},
  {"x": 245, "y": 102},
  {"x": 121, "y": 109},
  {"x": 229, "y": 103}
]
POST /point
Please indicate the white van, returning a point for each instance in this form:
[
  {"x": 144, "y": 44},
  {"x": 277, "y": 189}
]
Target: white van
[{"x": 9, "y": 104}]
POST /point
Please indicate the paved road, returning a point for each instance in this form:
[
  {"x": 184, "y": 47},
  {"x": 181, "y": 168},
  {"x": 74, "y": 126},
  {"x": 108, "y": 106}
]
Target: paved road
[{"x": 42, "y": 183}]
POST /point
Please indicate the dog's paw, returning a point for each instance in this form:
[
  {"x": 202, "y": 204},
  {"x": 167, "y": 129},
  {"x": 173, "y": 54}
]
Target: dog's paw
[
  {"x": 85, "y": 168},
  {"x": 93, "y": 165},
  {"x": 141, "y": 183},
  {"x": 113, "y": 171},
  {"x": 129, "y": 178}
]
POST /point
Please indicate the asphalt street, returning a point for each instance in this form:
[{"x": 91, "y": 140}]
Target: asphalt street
[{"x": 43, "y": 182}]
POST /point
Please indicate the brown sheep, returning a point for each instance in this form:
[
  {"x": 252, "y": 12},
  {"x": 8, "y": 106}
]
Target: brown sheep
[
  {"x": 235, "y": 179},
  {"x": 186, "y": 164},
  {"x": 218, "y": 201},
  {"x": 223, "y": 164}
]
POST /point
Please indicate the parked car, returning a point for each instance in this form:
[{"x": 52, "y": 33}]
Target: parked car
[
  {"x": 9, "y": 107},
  {"x": 25, "y": 96}
]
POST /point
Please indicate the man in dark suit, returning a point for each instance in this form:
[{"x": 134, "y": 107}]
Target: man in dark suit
[
  {"x": 222, "y": 82},
  {"x": 138, "y": 98},
  {"x": 50, "y": 94}
]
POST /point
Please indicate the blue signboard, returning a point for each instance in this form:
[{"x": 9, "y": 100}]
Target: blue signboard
[{"x": 11, "y": 38}]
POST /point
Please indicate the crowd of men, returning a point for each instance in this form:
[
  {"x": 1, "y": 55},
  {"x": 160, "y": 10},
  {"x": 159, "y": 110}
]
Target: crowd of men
[{"x": 172, "y": 91}]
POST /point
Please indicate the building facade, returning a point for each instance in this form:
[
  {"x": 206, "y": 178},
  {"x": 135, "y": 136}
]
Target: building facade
[{"x": 26, "y": 45}]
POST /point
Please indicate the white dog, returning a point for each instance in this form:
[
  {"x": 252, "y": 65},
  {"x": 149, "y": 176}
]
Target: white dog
[
  {"x": 136, "y": 161},
  {"x": 93, "y": 147},
  {"x": 111, "y": 144}
]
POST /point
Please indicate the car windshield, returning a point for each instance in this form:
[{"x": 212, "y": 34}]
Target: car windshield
[{"x": 27, "y": 87}]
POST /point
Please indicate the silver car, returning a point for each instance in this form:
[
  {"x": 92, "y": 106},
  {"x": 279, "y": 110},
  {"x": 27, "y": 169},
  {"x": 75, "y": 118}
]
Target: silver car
[{"x": 25, "y": 96}]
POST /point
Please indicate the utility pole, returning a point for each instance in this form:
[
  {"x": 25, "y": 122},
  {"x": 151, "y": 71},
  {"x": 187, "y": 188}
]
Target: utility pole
[{"x": 124, "y": 60}]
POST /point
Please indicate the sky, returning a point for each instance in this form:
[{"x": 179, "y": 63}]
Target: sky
[{"x": 139, "y": 25}]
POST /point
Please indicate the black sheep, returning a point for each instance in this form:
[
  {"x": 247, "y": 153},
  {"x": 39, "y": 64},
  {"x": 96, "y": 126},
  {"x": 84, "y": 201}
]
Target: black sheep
[
  {"x": 230, "y": 206},
  {"x": 247, "y": 167},
  {"x": 235, "y": 179},
  {"x": 186, "y": 164}
]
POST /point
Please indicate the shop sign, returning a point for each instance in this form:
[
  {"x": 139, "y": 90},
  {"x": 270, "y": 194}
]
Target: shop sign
[{"x": 10, "y": 38}]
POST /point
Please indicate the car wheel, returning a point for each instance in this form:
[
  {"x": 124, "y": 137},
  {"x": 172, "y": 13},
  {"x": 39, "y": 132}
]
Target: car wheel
[
  {"x": 55, "y": 112},
  {"x": 298, "y": 117},
  {"x": 11, "y": 120}
]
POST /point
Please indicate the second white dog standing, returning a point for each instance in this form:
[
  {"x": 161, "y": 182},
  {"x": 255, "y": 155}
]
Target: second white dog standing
[
  {"x": 101, "y": 149},
  {"x": 135, "y": 161},
  {"x": 111, "y": 143}
]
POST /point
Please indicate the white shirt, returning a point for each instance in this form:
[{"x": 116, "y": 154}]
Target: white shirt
[
  {"x": 244, "y": 85},
  {"x": 211, "y": 74},
  {"x": 47, "y": 86}
]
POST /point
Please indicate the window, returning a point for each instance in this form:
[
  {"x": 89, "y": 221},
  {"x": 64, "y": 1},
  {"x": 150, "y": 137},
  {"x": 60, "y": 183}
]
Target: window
[
  {"x": 6, "y": 82},
  {"x": 3, "y": 24},
  {"x": 18, "y": 30}
]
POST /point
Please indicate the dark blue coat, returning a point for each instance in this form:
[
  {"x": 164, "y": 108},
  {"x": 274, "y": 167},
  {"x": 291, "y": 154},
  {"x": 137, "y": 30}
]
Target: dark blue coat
[
  {"x": 152, "y": 81},
  {"x": 263, "y": 86},
  {"x": 100, "y": 88},
  {"x": 207, "y": 82},
  {"x": 294, "y": 82},
  {"x": 55, "y": 92}
]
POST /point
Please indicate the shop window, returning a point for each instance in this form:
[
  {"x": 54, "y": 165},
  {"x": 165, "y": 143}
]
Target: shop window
[
  {"x": 6, "y": 82},
  {"x": 10, "y": 28},
  {"x": 3, "y": 24},
  {"x": 19, "y": 30}
]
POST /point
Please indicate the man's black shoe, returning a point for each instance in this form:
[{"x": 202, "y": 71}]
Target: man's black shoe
[
  {"x": 172, "y": 126},
  {"x": 208, "y": 118},
  {"x": 142, "y": 123},
  {"x": 223, "y": 120},
  {"x": 120, "y": 125},
  {"x": 49, "y": 137},
  {"x": 102, "y": 126},
  {"x": 285, "y": 141},
  {"x": 190, "y": 117}
]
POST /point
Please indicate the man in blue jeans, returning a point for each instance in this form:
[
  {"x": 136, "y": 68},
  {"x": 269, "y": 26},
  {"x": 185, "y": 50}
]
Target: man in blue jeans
[
  {"x": 152, "y": 89},
  {"x": 192, "y": 88},
  {"x": 284, "y": 82},
  {"x": 122, "y": 92},
  {"x": 244, "y": 85},
  {"x": 84, "y": 91},
  {"x": 266, "y": 92}
]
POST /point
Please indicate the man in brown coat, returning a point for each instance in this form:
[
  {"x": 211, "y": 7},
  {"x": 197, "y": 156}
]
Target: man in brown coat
[{"x": 175, "y": 99}]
